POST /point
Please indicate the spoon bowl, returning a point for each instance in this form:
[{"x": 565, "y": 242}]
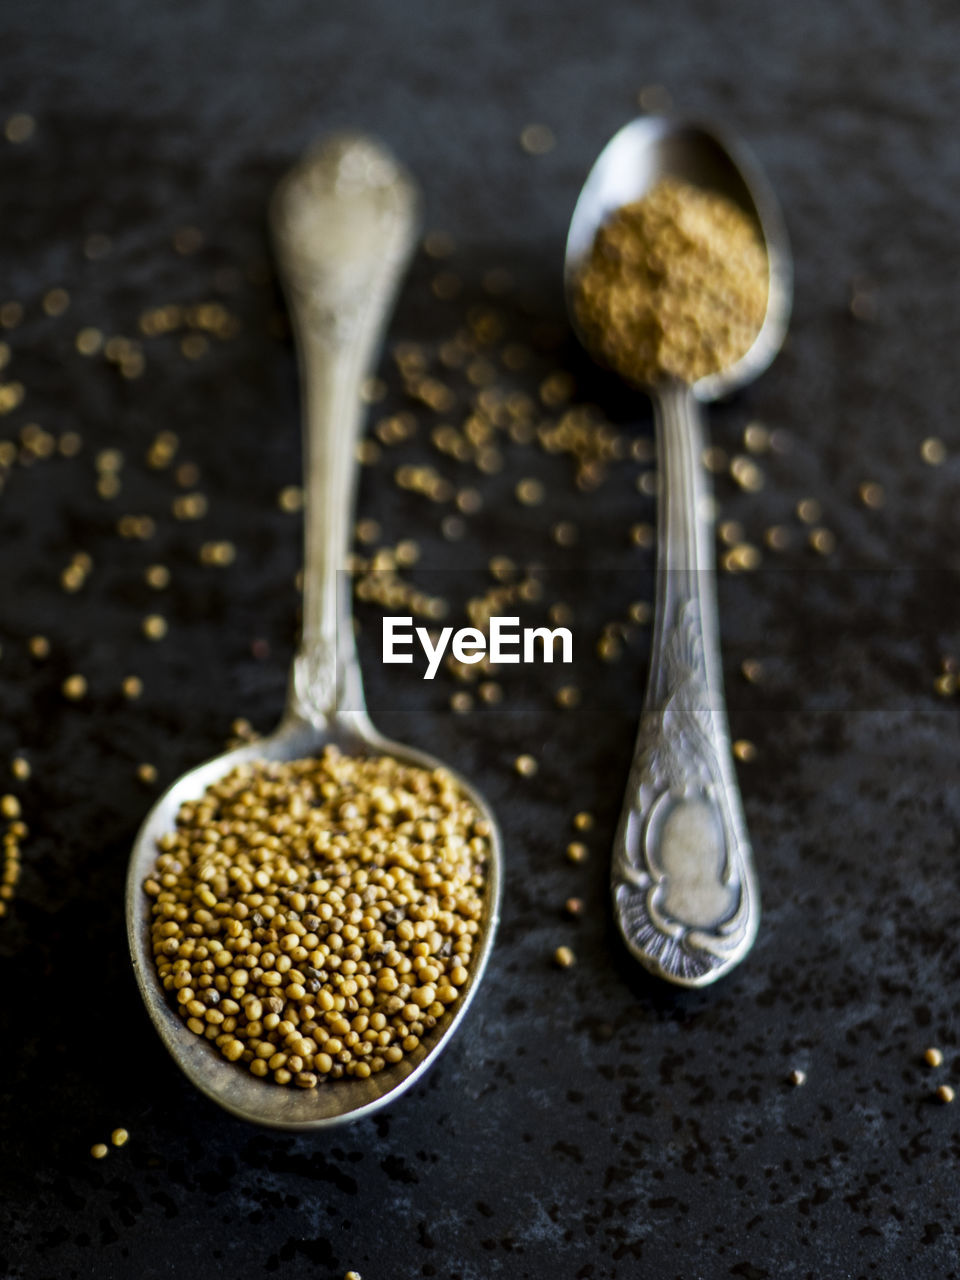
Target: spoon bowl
[
  {"x": 344, "y": 223},
  {"x": 654, "y": 147},
  {"x": 684, "y": 889}
]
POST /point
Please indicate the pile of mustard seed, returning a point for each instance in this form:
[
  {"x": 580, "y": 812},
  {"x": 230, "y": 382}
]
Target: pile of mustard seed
[
  {"x": 313, "y": 919},
  {"x": 675, "y": 285}
]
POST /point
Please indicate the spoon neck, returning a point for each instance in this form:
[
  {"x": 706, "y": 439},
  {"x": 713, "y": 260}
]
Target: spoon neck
[{"x": 325, "y": 681}]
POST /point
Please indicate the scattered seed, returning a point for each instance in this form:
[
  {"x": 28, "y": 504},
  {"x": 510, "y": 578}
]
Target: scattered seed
[
  {"x": 19, "y": 127},
  {"x": 132, "y": 687},
  {"x": 290, "y": 499},
  {"x": 537, "y": 139},
  {"x": 752, "y": 670},
  {"x": 39, "y": 647},
  {"x": 461, "y": 703},
  {"x": 744, "y": 751},
  {"x": 567, "y": 697},
  {"x": 573, "y": 907},
  {"x": 119, "y": 1137},
  {"x": 797, "y": 1077},
  {"x": 530, "y": 492},
  {"x": 147, "y": 773},
  {"x": 563, "y": 957},
  {"x": 871, "y": 494},
  {"x": 577, "y": 851},
  {"x": 154, "y": 626},
  {"x": 822, "y": 541},
  {"x": 933, "y": 451},
  {"x": 933, "y": 1057},
  {"x": 526, "y": 766},
  {"x": 20, "y": 768},
  {"x": 9, "y": 807},
  {"x": 98, "y": 1150},
  {"x": 583, "y": 821},
  {"x": 945, "y": 1093},
  {"x": 74, "y": 687}
]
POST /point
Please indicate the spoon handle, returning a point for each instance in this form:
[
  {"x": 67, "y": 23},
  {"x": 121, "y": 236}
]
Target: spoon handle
[
  {"x": 684, "y": 889},
  {"x": 344, "y": 223}
]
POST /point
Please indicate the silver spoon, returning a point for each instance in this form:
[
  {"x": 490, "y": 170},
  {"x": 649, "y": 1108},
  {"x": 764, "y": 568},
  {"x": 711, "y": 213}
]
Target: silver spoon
[
  {"x": 684, "y": 888},
  {"x": 344, "y": 223}
]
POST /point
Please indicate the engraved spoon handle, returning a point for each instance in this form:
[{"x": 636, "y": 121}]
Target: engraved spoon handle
[
  {"x": 684, "y": 889},
  {"x": 344, "y": 221}
]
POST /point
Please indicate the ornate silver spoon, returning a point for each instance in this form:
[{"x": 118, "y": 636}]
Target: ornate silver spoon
[
  {"x": 684, "y": 888},
  {"x": 344, "y": 223}
]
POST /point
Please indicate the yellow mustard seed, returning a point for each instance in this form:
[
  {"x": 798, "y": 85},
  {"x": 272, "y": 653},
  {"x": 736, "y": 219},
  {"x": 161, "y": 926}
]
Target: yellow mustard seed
[
  {"x": 74, "y": 687},
  {"x": 314, "y": 918},
  {"x": 563, "y": 957},
  {"x": 119, "y": 1137},
  {"x": 290, "y": 499},
  {"x": 744, "y": 751},
  {"x": 9, "y": 807},
  {"x": 797, "y": 1077},
  {"x": 933, "y": 1057},
  {"x": 582, "y": 821},
  {"x": 132, "y": 687},
  {"x": 577, "y": 851},
  {"x": 98, "y": 1150},
  {"x": 154, "y": 626},
  {"x": 147, "y": 773},
  {"x": 945, "y": 1093},
  {"x": 822, "y": 541},
  {"x": 39, "y": 647},
  {"x": 933, "y": 452},
  {"x": 567, "y": 696},
  {"x": 526, "y": 766}
]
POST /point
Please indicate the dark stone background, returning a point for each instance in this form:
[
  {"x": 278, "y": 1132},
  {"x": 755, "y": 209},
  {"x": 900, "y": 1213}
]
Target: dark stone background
[{"x": 586, "y": 1123}]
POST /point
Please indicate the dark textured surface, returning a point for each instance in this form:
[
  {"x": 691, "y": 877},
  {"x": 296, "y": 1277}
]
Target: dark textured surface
[{"x": 587, "y": 1123}]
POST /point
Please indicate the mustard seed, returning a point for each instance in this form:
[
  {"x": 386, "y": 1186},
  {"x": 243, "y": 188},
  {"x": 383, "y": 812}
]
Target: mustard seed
[
  {"x": 563, "y": 957},
  {"x": 98, "y": 1150},
  {"x": 20, "y": 768},
  {"x": 154, "y": 626},
  {"x": 933, "y": 452},
  {"x": 336, "y": 900},
  {"x": 933, "y": 1057},
  {"x": 119, "y": 1137},
  {"x": 9, "y": 807},
  {"x": 132, "y": 687},
  {"x": 290, "y": 499},
  {"x": 797, "y": 1077},
  {"x": 526, "y": 766},
  {"x": 945, "y": 1093},
  {"x": 74, "y": 687},
  {"x": 577, "y": 851}
]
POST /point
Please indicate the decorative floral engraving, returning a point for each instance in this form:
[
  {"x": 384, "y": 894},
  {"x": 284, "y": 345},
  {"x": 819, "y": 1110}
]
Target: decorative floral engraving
[{"x": 681, "y": 889}]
